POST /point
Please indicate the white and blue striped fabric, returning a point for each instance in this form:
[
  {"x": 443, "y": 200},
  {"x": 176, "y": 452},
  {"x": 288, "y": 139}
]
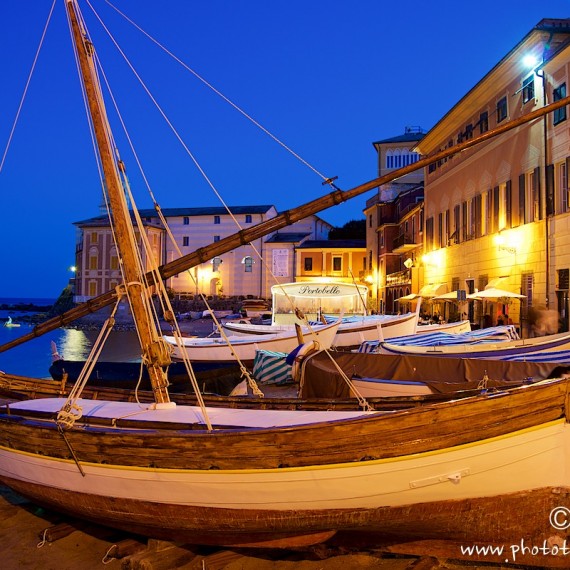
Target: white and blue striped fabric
[
  {"x": 481, "y": 336},
  {"x": 562, "y": 356},
  {"x": 269, "y": 367}
]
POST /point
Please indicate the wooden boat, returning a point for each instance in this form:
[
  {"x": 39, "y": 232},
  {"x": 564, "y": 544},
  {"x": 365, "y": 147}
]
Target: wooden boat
[
  {"x": 244, "y": 347},
  {"x": 373, "y": 376},
  {"x": 284, "y": 478}
]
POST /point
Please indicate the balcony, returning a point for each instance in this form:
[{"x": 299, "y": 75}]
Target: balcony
[{"x": 403, "y": 243}]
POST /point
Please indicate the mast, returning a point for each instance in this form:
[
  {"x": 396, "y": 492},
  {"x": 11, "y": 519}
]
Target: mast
[{"x": 156, "y": 355}]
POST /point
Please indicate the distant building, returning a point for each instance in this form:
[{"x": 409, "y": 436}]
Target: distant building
[{"x": 240, "y": 272}]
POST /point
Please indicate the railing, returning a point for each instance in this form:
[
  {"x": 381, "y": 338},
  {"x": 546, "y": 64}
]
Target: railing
[{"x": 402, "y": 239}]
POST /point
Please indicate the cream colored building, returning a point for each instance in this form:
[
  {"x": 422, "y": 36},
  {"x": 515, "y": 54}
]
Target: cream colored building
[
  {"x": 499, "y": 211},
  {"x": 250, "y": 269}
]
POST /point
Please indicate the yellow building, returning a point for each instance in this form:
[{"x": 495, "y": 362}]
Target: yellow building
[{"x": 499, "y": 211}]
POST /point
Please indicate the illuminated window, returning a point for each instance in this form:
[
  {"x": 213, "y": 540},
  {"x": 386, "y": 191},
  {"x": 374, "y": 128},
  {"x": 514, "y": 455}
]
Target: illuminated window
[
  {"x": 92, "y": 288},
  {"x": 308, "y": 264},
  {"x": 337, "y": 263}
]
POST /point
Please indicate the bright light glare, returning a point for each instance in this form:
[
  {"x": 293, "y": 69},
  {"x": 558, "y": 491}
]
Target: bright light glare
[{"x": 529, "y": 61}]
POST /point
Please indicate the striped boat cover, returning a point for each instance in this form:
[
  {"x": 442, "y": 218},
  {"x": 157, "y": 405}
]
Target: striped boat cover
[
  {"x": 481, "y": 336},
  {"x": 270, "y": 367},
  {"x": 562, "y": 356}
]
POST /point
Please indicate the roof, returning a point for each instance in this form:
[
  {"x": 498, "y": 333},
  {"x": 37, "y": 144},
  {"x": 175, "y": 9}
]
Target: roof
[
  {"x": 334, "y": 243},
  {"x": 406, "y": 137},
  {"x": 551, "y": 31},
  {"x": 287, "y": 237},
  {"x": 180, "y": 212},
  {"x": 213, "y": 210}
]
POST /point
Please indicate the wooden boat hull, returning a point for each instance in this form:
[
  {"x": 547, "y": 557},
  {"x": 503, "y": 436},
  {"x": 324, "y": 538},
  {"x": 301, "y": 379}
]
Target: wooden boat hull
[
  {"x": 384, "y": 473},
  {"x": 219, "y": 378}
]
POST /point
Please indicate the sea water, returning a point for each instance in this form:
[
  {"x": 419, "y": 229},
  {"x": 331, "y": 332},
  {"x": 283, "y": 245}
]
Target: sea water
[{"x": 33, "y": 358}]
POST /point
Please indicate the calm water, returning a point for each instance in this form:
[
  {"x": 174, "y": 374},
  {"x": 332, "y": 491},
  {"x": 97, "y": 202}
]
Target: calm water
[{"x": 33, "y": 358}]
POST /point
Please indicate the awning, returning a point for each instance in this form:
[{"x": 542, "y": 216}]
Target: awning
[
  {"x": 410, "y": 297},
  {"x": 433, "y": 289}
]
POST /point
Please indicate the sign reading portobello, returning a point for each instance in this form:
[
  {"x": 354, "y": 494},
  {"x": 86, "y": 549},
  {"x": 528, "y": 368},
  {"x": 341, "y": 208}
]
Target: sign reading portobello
[
  {"x": 326, "y": 290},
  {"x": 317, "y": 299}
]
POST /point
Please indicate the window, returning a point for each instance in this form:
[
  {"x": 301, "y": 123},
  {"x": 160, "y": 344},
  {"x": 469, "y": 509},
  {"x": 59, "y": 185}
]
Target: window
[
  {"x": 563, "y": 185},
  {"x": 483, "y": 122},
  {"x": 370, "y": 221},
  {"x": 216, "y": 238},
  {"x": 248, "y": 218},
  {"x": 248, "y": 264},
  {"x": 456, "y": 223},
  {"x": 308, "y": 264},
  {"x": 186, "y": 241},
  {"x": 94, "y": 237},
  {"x": 502, "y": 110},
  {"x": 186, "y": 220},
  {"x": 93, "y": 258},
  {"x": 216, "y": 219},
  {"x": 469, "y": 132},
  {"x": 92, "y": 288},
  {"x": 114, "y": 264},
  {"x": 528, "y": 88},
  {"x": 216, "y": 262},
  {"x": 337, "y": 263},
  {"x": 559, "y": 115}
]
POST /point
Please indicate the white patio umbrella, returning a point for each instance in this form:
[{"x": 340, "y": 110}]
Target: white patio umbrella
[{"x": 493, "y": 293}]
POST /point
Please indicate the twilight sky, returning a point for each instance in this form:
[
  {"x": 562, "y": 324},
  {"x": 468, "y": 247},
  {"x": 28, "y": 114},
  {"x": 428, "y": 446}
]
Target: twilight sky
[{"x": 324, "y": 77}]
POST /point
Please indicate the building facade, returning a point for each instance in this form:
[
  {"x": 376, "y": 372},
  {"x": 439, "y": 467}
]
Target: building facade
[
  {"x": 249, "y": 270},
  {"x": 499, "y": 211},
  {"x": 394, "y": 224}
]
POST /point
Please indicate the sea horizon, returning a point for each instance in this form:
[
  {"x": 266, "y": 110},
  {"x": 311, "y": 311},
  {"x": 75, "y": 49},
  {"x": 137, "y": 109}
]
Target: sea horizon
[{"x": 39, "y": 301}]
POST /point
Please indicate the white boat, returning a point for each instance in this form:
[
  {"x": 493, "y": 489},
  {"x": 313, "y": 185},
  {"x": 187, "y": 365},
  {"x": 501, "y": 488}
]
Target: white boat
[
  {"x": 245, "y": 347},
  {"x": 352, "y": 330},
  {"x": 480, "y": 348}
]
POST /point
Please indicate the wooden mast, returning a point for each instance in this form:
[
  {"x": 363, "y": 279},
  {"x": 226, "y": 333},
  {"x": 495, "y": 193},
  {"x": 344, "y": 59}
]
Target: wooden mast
[
  {"x": 156, "y": 355},
  {"x": 284, "y": 219}
]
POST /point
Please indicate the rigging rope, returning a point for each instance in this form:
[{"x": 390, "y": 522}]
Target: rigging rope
[
  {"x": 219, "y": 93},
  {"x": 11, "y": 135},
  {"x": 198, "y": 166}
]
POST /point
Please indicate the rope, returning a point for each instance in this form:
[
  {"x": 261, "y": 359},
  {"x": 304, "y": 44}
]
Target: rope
[
  {"x": 11, "y": 135},
  {"x": 362, "y": 402},
  {"x": 71, "y": 411},
  {"x": 220, "y": 94}
]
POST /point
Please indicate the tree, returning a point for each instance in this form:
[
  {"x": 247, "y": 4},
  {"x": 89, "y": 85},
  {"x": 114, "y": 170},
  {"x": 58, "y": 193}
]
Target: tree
[{"x": 355, "y": 229}]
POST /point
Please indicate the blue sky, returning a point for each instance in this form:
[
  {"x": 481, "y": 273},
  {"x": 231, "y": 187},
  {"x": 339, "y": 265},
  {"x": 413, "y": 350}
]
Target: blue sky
[{"x": 325, "y": 77}]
